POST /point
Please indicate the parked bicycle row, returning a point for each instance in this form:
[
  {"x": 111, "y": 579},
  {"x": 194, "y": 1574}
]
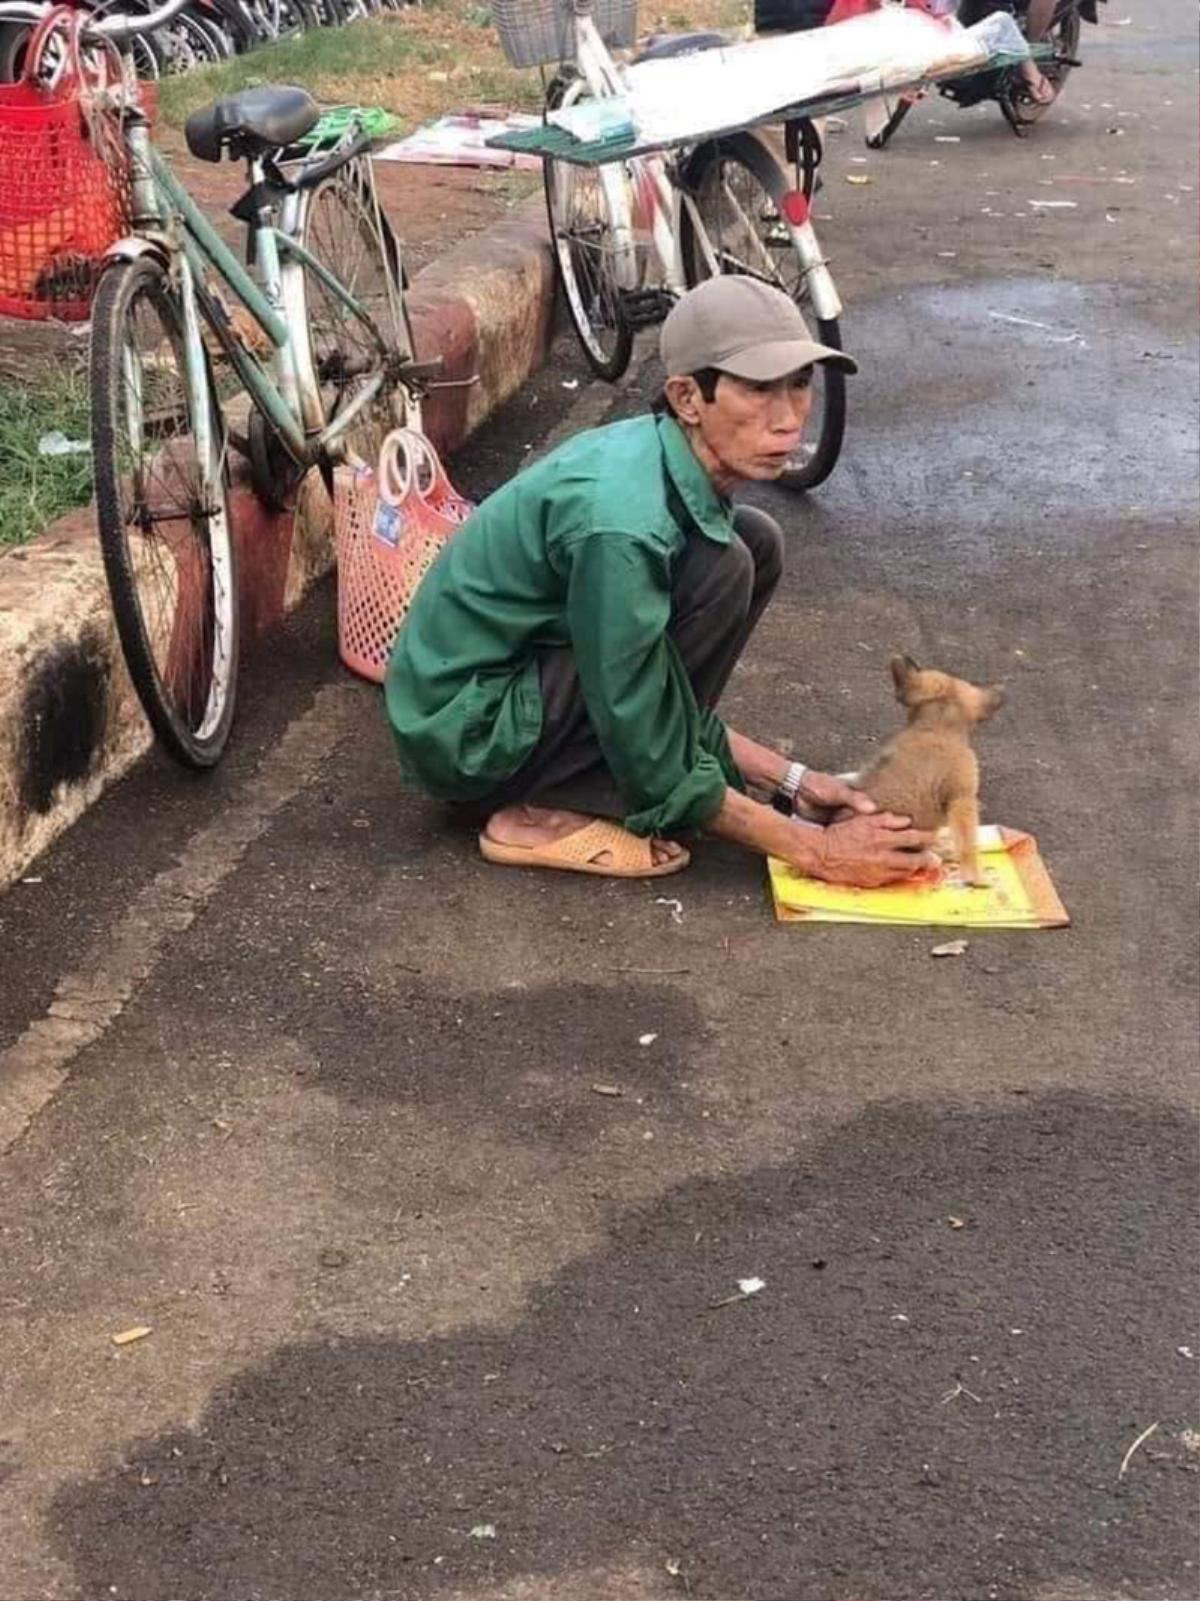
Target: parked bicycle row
[{"x": 204, "y": 32}]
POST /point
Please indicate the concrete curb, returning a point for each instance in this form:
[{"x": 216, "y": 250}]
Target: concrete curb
[{"x": 70, "y": 723}]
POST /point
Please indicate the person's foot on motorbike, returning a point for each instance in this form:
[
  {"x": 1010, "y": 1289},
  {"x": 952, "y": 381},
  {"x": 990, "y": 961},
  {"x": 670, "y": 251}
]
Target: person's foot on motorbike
[{"x": 1036, "y": 82}]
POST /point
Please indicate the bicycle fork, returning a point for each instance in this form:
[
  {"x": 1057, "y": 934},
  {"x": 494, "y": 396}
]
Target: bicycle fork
[{"x": 822, "y": 291}]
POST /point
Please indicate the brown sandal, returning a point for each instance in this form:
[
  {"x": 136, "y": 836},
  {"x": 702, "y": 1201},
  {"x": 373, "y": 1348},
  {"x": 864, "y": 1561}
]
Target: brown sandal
[{"x": 629, "y": 855}]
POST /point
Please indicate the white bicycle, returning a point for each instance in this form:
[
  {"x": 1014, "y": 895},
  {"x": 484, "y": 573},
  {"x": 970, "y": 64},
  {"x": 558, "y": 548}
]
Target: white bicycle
[{"x": 632, "y": 233}]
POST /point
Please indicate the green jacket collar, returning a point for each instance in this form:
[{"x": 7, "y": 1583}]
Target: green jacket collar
[{"x": 711, "y": 514}]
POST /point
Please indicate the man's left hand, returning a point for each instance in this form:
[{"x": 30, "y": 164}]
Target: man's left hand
[{"x": 823, "y": 795}]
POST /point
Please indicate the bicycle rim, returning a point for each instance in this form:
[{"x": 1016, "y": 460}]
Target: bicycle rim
[
  {"x": 340, "y": 229},
  {"x": 582, "y": 233},
  {"x": 163, "y": 516}
]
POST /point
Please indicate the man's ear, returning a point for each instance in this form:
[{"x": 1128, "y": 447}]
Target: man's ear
[
  {"x": 683, "y": 397},
  {"x": 904, "y": 669}
]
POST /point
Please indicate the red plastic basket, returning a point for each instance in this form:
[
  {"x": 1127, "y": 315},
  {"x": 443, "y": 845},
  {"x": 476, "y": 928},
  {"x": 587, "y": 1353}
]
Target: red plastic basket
[{"x": 63, "y": 201}]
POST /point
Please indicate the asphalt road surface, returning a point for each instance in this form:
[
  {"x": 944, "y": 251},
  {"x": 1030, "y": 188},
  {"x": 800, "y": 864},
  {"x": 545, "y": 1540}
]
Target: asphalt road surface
[{"x": 431, "y": 1317}]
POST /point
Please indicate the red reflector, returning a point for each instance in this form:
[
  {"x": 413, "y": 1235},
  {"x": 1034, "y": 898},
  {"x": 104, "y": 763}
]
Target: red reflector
[{"x": 795, "y": 207}]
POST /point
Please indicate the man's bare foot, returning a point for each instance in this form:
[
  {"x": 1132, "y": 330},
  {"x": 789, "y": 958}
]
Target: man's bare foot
[
  {"x": 1039, "y": 86},
  {"x": 531, "y": 826}
]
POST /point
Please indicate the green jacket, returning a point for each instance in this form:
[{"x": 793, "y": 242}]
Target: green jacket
[{"x": 575, "y": 551}]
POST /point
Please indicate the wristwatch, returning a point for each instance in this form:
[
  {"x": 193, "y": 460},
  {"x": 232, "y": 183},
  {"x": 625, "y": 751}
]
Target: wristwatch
[{"x": 784, "y": 798}]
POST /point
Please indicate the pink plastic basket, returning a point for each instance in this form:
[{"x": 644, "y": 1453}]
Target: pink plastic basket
[{"x": 390, "y": 524}]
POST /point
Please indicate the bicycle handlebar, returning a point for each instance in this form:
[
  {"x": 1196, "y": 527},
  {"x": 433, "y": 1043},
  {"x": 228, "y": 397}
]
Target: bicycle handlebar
[{"x": 121, "y": 25}]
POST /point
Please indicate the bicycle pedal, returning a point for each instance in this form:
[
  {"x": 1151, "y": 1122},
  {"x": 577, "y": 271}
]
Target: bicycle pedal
[
  {"x": 451, "y": 383},
  {"x": 641, "y": 308}
]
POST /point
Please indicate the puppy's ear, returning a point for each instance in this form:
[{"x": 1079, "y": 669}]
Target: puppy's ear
[
  {"x": 904, "y": 670},
  {"x": 994, "y": 697}
]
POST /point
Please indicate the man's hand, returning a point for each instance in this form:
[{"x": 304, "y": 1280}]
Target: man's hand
[
  {"x": 823, "y": 793},
  {"x": 869, "y": 851}
]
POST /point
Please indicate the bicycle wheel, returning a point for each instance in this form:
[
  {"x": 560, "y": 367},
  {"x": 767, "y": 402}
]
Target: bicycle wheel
[
  {"x": 337, "y": 224},
  {"x": 1062, "y": 35},
  {"x": 740, "y": 197},
  {"x": 163, "y": 515},
  {"x": 582, "y": 232},
  {"x": 187, "y": 43}
]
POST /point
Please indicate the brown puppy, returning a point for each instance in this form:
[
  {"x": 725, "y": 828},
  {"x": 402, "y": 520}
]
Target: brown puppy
[{"x": 928, "y": 771}]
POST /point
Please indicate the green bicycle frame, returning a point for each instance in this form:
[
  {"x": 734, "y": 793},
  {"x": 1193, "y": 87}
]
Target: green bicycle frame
[{"x": 276, "y": 396}]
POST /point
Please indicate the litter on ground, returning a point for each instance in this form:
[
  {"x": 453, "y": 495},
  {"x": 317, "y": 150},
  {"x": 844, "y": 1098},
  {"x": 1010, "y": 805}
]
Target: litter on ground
[{"x": 129, "y": 1336}]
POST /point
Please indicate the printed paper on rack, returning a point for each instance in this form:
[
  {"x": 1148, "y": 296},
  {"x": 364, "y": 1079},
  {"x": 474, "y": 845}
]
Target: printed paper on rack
[
  {"x": 686, "y": 97},
  {"x": 1019, "y": 893}
]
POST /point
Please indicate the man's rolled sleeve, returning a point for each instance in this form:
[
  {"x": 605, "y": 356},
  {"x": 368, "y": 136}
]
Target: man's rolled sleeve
[{"x": 671, "y": 762}]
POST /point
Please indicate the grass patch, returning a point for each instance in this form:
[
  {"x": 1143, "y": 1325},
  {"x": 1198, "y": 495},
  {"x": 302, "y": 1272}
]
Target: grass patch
[
  {"x": 418, "y": 63},
  {"x": 35, "y": 489}
]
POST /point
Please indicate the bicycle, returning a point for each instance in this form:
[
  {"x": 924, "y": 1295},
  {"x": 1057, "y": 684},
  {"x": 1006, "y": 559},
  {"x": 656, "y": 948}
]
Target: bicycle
[
  {"x": 321, "y": 343},
  {"x": 678, "y": 216}
]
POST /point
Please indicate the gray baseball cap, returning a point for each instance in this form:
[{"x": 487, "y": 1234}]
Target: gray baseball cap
[{"x": 744, "y": 327}]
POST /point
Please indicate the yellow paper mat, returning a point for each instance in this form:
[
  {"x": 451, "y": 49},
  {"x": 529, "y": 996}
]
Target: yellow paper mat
[{"x": 1019, "y": 893}]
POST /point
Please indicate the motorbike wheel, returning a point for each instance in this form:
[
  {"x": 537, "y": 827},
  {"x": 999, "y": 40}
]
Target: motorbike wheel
[{"x": 1019, "y": 106}]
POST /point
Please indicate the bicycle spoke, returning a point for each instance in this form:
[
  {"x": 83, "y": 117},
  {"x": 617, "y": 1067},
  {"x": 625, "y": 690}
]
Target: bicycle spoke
[
  {"x": 751, "y": 235},
  {"x": 342, "y": 229}
]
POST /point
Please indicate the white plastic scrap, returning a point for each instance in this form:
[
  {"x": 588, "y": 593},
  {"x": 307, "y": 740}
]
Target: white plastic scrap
[
  {"x": 751, "y": 1286},
  {"x": 676, "y": 907},
  {"x": 56, "y": 443},
  {"x": 482, "y": 1531}
]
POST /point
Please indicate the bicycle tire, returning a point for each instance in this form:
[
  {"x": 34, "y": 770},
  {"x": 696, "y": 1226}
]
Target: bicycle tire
[
  {"x": 220, "y": 42},
  {"x": 742, "y": 152},
  {"x": 161, "y": 535},
  {"x": 14, "y": 45},
  {"x": 581, "y": 249},
  {"x": 337, "y": 226},
  {"x": 217, "y": 43},
  {"x": 236, "y": 26},
  {"x": 186, "y": 43}
]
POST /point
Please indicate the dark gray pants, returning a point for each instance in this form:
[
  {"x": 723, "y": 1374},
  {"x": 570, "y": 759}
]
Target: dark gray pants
[{"x": 718, "y": 593}]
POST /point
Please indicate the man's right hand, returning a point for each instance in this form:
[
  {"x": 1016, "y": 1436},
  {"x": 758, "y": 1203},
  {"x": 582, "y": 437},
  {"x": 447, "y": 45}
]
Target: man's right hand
[{"x": 868, "y": 852}]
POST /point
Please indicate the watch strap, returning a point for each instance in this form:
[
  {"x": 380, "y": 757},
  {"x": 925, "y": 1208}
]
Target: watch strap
[{"x": 784, "y": 798}]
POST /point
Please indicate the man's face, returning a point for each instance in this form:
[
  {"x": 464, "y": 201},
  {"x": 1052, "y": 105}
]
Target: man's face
[{"x": 750, "y": 429}]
